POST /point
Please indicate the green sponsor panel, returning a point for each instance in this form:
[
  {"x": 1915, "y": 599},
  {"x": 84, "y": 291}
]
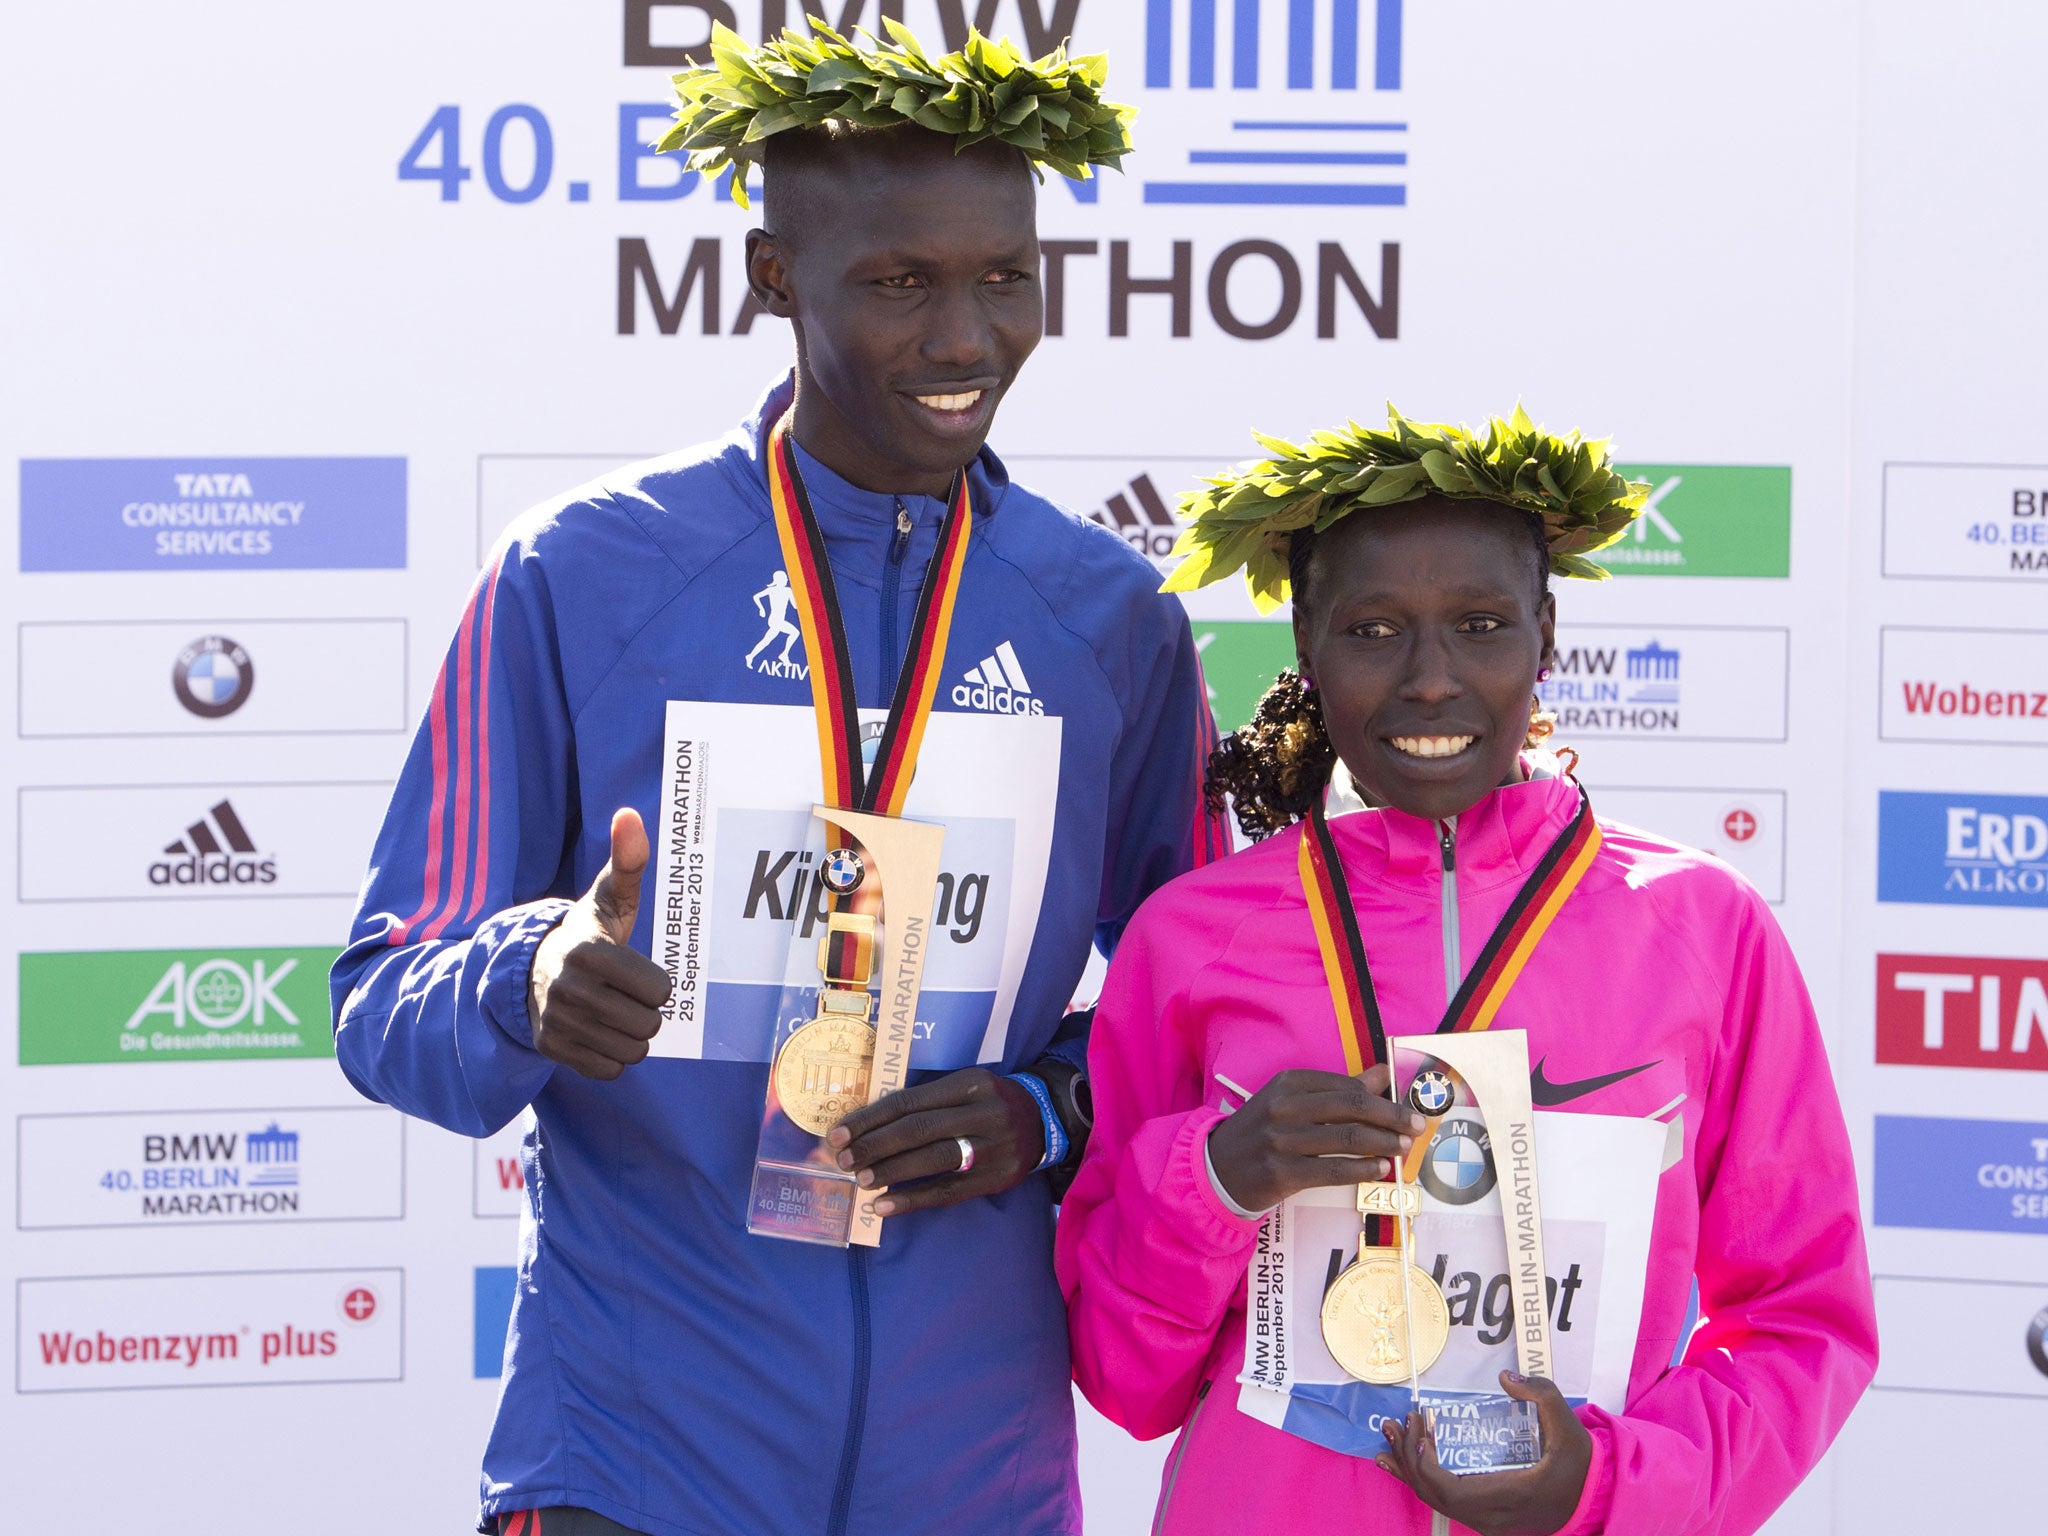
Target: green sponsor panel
[
  {"x": 175, "y": 1005},
  {"x": 1240, "y": 658},
  {"x": 1707, "y": 520}
]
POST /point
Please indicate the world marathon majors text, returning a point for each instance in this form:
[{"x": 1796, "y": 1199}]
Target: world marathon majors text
[{"x": 700, "y": 279}]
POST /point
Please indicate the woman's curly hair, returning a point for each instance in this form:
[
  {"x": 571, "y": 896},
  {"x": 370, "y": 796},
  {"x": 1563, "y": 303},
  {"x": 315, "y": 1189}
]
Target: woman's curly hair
[{"x": 1273, "y": 770}]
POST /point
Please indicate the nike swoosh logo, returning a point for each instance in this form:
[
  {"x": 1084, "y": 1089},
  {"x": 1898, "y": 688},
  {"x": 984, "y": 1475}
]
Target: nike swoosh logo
[{"x": 1548, "y": 1095}]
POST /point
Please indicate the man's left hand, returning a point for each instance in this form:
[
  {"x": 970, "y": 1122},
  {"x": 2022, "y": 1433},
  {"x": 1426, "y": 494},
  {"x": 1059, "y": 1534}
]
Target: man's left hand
[
  {"x": 1531, "y": 1501},
  {"x": 912, "y": 1138}
]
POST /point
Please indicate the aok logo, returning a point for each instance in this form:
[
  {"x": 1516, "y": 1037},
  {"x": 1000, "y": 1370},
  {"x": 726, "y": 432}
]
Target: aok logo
[
  {"x": 199, "y": 857},
  {"x": 1945, "y": 1011},
  {"x": 215, "y": 994},
  {"x": 783, "y": 886}
]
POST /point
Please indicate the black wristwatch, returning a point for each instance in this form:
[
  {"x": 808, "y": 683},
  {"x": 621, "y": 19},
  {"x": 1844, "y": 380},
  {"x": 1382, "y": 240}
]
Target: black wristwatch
[{"x": 1072, "y": 1102}]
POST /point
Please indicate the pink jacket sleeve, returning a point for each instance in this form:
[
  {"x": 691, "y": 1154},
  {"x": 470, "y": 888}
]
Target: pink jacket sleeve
[
  {"x": 1148, "y": 1256},
  {"x": 1789, "y": 1339}
]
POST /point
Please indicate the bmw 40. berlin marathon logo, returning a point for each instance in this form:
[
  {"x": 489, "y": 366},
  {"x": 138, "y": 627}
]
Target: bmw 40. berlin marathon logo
[{"x": 213, "y": 677}]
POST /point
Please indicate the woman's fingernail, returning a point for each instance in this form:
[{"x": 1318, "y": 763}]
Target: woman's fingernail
[{"x": 885, "y": 1207}]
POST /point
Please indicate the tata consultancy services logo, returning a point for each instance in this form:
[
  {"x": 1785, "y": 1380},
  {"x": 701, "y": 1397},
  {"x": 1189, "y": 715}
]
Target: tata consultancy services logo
[
  {"x": 1707, "y": 520},
  {"x": 1970, "y": 850},
  {"x": 175, "y": 1005},
  {"x": 212, "y": 515}
]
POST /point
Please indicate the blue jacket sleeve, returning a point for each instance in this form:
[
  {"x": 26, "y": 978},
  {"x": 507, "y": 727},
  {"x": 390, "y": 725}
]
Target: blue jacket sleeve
[
  {"x": 1159, "y": 825},
  {"x": 469, "y": 871}
]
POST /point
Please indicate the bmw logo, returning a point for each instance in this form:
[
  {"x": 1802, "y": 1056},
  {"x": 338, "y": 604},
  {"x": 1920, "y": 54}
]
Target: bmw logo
[
  {"x": 844, "y": 871},
  {"x": 2037, "y": 1341},
  {"x": 213, "y": 677},
  {"x": 871, "y": 740},
  {"x": 1431, "y": 1092},
  {"x": 1459, "y": 1167}
]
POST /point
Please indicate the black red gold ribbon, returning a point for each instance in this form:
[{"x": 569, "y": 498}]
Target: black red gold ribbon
[
  {"x": 882, "y": 789},
  {"x": 1492, "y": 975}
]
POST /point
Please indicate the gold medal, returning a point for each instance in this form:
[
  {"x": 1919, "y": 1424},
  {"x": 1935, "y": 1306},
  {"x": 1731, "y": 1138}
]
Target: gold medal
[
  {"x": 1364, "y": 1323},
  {"x": 821, "y": 1072}
]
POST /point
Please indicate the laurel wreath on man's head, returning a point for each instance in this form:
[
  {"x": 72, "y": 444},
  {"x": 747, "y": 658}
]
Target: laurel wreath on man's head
[
  {"x": 1050, "y": 108},
  {"x": 1245, "y": 519}
]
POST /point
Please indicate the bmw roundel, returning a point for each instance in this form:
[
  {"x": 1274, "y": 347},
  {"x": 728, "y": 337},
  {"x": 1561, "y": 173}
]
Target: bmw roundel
[
  {"x": 213, "y": 677},
  {"x": 844, "y": 871},
  {"x": 1459, "y": 1166},
  {"x": 1431, "y": 1092}
]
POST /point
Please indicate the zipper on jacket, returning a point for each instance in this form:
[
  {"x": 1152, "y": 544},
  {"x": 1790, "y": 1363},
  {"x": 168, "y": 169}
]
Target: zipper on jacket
[
  {"x": 1180, "y": 1450},
  {"x": 892, "y": 579},
  {"x": 857, "y": 1406},
  {"x": 1454, "y": 968}
]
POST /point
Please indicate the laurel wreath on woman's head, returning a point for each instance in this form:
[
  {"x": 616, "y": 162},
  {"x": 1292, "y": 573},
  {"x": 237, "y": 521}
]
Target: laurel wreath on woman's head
[
  {"x": 1050, "y": 108},
  {"x": 1245, "y": 518}
]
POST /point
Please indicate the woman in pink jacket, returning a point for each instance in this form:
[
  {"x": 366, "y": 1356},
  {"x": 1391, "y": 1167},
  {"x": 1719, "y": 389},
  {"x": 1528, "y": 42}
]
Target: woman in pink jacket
[{"x": 1418, "y": 560}]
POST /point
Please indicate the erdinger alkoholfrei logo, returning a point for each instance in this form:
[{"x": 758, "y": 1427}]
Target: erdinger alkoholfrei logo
[
  {"x": 775, "y": 602},
  {"x": 997, "y": 685},
  {"x": 213, "y": 677},
  {"x": 215, "y": 850}
]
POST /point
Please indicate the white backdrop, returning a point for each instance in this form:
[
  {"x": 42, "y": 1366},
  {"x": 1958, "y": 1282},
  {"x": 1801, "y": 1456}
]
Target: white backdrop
[{"x": 1782, "y": 253}]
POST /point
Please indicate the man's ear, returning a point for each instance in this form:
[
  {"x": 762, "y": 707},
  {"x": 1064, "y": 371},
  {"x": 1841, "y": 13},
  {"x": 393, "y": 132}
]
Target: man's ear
[{"x": 768, "y": 274}]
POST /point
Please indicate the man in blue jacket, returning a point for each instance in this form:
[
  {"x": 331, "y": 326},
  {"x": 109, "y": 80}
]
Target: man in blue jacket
[{"x": 666, "y": 1372}]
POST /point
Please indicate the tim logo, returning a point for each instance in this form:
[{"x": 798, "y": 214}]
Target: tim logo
[
  {"x": 997, "y": 686},
  {"x": 215, "y": 850},
  {"x": 1339, "y": 46},
  {"x": 773, "y": 603},
  {"x": 1140, "y": 517}
]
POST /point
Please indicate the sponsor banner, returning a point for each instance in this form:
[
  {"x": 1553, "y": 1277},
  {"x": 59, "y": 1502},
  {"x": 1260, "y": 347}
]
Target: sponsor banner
[
  {"x": 1985, "y": 686},
  {"x": 491, "y": 1317},
  {"x": 1950, "y": 1011},
  {"x": 175, "y": 1005},
  {"x": 1240, "y": 659},
  {"x": 108, "y": 1333},
  {"x": 1961, "y": 1175},
  {"x": 1673, "y": 682},
  {"x": 210, "y": 514},
  {"x": 138, "y": 842},
  {"x": 498, "y": 1172},
  {"x": 1707, "y": 520},
  {"x": 187, "y": 1167},
  {"x": 1978, "y": 1338},
  {"x": 1983, "y": 522},
  {"x": 507, "y": 484},
  {"x": 214, "y": 677},
  {"x": 1746, "y": 827},
  {"x": 1962, "y": 849}
]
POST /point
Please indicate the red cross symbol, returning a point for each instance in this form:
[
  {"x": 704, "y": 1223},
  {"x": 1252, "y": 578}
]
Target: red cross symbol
[
  {"x": 1739, "y": 825},
  {"x": 360, "y": 1304}
]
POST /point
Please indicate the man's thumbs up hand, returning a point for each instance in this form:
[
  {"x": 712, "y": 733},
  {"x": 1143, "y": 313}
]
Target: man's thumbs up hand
[{"x": 595, "y": 1001}]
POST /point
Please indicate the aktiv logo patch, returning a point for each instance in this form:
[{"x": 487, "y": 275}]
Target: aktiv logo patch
[
  {"x": 174, "y": 1005},
  {"x": 1707, "y": 520},
  {"x": 1950, "y": 1011}
]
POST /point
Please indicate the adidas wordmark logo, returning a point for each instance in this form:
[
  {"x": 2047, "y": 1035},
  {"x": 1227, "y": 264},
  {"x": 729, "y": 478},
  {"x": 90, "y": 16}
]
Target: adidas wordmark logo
[
  {"x": 998, "y": 685},
  {"x": 215, "y": 850}
]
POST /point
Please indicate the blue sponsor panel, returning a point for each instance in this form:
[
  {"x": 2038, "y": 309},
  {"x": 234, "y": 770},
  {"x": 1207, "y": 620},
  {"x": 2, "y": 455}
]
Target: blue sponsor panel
[
  {"x": 1962, "y": 1175},
  {"x": 212, "y": 514},
  {"x": 1961, "y": 848},
  {"x": 495, "y": 1284}
]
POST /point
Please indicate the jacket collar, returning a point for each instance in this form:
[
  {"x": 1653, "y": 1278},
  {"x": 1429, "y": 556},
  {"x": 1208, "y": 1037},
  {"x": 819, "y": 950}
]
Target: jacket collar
[{"x": 1500, "y": 839}]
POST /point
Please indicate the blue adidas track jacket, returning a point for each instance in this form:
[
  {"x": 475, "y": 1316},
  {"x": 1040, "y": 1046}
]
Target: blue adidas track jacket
[{"x": 664, "y": 1367}]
